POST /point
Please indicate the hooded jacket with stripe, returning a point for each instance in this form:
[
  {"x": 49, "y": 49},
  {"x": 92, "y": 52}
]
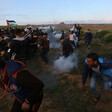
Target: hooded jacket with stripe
[
  {"x": 18, "y": 47},
  {"x": 21, "y": 82},
  {"x": 105, "y": 68}
]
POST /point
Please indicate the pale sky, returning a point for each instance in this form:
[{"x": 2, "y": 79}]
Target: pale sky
[{"x": 55, "y": 11}]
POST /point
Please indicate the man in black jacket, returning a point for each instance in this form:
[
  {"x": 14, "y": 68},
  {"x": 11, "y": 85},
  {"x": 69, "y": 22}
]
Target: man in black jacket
[
  {"x": 67, "y": 47},
  {"x": 18, "y": 47},
  {"x": 23, "y": 84},
  {"x": 88, "y": 38}
]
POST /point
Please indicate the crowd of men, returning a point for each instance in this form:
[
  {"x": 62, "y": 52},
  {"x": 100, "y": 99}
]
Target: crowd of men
[{"x": 18, "y": 44}]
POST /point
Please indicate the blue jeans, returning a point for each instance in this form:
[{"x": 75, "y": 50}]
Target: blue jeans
[{"x": 104, "y": 80}]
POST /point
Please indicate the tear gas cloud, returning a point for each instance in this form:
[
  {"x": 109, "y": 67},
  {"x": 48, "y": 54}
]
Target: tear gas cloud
[
  {"x": 55, "y": 45},
  {"x": 53, "y": 36},
  {"x": 57, "y": 36},
  {"x": 66, "y": 64},
  {"x": 54, "y": 41}
]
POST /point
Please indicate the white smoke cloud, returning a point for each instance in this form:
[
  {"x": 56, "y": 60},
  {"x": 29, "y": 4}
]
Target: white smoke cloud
[
  {"x": 54, "y": 43},
  {"x": 66, "y": 64},
  {"x": 57, "y": 36},
  {"x": 54, "y": 36}
]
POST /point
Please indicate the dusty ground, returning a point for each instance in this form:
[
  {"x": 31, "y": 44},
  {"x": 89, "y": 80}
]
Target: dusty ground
[{"x": 51, "y": 79}]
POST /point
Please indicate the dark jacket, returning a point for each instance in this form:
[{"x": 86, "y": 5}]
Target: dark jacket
[
  {"x": 44, "y": 43},
  {"x": 18, "y": 47},
  {"x": 21, "y": 82},
  {"x": 67, "y": 47},
  {"x": 62, "y": 36},
  {"x": 88, "y": 36}
]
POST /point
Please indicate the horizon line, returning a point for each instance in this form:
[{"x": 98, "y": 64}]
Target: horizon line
[{"x": 57, "y": 23}]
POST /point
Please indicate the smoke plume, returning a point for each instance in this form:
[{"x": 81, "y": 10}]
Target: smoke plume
[
  {"x": 66, "y": 64},
  {"x": 54, "y": 41}
]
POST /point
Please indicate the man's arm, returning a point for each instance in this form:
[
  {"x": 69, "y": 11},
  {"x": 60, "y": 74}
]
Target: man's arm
[
  {"x": 84, "y": 75},
  {"x": 107, "y": 63}
]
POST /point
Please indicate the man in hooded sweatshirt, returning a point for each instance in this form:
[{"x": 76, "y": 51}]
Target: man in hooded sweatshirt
[{"x": 17, "y": 48}]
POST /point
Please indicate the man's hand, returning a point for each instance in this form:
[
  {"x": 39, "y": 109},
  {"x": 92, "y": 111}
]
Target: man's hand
[{"x": 25, "y": 106}]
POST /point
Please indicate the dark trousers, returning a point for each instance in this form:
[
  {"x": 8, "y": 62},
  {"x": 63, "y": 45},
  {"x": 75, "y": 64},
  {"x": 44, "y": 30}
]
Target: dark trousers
[
  {"x": 72, "y": 42},
  {"x": 66, "y": 54},
  {"x": 44, "y": 54},
  {"x": 87, "y": 42},
  {"x": 16, "y": 107}
]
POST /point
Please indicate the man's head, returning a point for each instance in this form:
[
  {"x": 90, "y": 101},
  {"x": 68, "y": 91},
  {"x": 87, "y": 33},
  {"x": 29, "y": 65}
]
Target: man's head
[
  {"x": 62, "y": 31},
  {"x": 66, "y": 36},
  {"x": 88, "y": 30},
  {"x": 17, "y": 32},
  {"x": 72, "y": 32},
  {"x": 45, "y": 35},
  {"x": 92, "y": 60}
]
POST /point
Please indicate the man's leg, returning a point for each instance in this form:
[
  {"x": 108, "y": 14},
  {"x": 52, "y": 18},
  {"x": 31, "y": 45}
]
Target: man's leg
[
  {"x": 93, "y": 82},
  {"x": 44, "y": 55},
  {"x": 105, "y": 82},
  {"x": 86, "y": 42}
]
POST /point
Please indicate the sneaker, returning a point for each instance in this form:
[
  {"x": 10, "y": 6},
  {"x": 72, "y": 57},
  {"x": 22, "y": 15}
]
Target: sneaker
[{"x": 95, "y": 100}]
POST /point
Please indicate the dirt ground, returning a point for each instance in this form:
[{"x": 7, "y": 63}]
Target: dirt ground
[{"x": 104, "y": 105}]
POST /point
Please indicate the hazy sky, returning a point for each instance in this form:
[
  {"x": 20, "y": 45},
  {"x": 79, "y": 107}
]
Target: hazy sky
[{"x": 55, "y": 11}]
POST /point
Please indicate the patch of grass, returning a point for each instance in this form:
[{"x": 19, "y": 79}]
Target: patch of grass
[
  {"x": 68, "y": 97},
  {"x": 6, "y": 102},
  {"x": 107, "y": 38}
]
